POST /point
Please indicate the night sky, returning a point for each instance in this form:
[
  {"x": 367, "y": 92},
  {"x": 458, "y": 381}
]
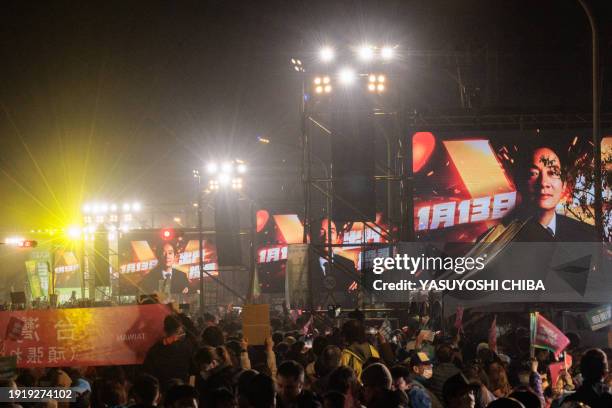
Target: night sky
[{"x": 122, "y": 99}]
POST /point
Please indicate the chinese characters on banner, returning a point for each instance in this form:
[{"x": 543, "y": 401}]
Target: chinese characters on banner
[{"x": 87, "y": 336}]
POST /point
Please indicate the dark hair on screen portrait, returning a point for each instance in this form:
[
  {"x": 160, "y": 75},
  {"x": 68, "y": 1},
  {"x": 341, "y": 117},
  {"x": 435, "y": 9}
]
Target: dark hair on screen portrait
[
  {"x": 159, "y": 248},
  {"x": 524, "y": 158}
]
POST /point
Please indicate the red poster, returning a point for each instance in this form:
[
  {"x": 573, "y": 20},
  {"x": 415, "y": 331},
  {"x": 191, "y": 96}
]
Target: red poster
[{"x": 83, "y": 337}]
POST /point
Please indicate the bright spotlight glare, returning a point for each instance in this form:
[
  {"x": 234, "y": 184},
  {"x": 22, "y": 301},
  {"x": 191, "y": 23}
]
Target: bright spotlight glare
[
  {"x": 104, "y": 208},
  {"x": 372, "y": 78},
  {"x": 366, "y": 53},
  {"x": 381, "y": 79},
  {"x": 328, "y": 88},
  {"x": 326, "y": 80},
  {"x": 319, "y": 89},
  {"x": 86, "y": 208},
  {"x": 73, "y": 232},
  {"x": 380, "y": 87},
  {"x": 136, "y": 206},
  {"x": 125, "y": 207},
  {"x": 386, "y": 53},
  {"x": 326, "y": 54},
  {"x": 113, "y": 207},
  {"x": 371, "y": 87},
  {"x": 227, "y": 167},
  {"x": 347, "y": 76},
  {"x": 242, "y": 168},
  {"x": 212, "y": 168},
  {"x": 224, "y": 179},
  {"x": 317, "y": 81}
]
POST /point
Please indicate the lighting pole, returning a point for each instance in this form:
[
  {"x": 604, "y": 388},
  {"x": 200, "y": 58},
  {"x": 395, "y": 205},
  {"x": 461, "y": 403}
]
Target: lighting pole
[
  {"x": 596, "y": 119},
  {"x": 196, "y": 175}
]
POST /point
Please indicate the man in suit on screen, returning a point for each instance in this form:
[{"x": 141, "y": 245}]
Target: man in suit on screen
[{"x": 164, "y": 277}]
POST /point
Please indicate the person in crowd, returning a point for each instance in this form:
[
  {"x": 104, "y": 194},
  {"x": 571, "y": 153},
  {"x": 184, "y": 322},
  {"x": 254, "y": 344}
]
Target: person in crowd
[
  {"x": 261, "y": 392},
  {"x": 420, "y": 373},
  {"x": 593, "y": 392},
  {"x": 223, "y": 398},
  {"x": 242, "y": 385},
  {"x": 334, "y": 399},
  {"x": 290, "y": 386},
  {"x": 213, "y": 336},
  {"x": 377, "y": 392},
  {"x": 181, "y": 396},
  {"x": 458, "y": 392},
  {"x": 171, "y": 356},
  {"x": 145, "y": 392},
  {"x": 344, "y": 381},
  {"x": 328, "y": 361},
  {"x": 443, "y": 370},
  {"x": 358, "y": 350},
  {"x": 498, "y": 380}
]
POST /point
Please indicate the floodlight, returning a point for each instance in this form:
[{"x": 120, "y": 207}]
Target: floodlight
[
  {"x": 371, "y": 87},
  {"x": 326, "y": 80},
  {"x": 319, "y": 89},
  {"x": 242, "y": 168},
  {"x": 372, "y": 78},
  {"x": 381, "y": 79},
  {"x": 327, "y": 88},
  {"x": 317, "y": 81},
  {"x": 366, "y": 53},
  {"x": 326, "y": 54},
  {"x": 387, "y": 53},
  {"x": 224, "y": 179},
  {"x": 347, "y": 76},
  {"x": 125, "y": 207},
  {"x": 136, "y": 206},
  {"x": 227, "y": 167},
  {"x": 113, "y": 207},
  {"x": 212, "y": 168},
  {"x": 86, "y": 209},
  {"x": 380, "y": 87},
  {"x": 73, "y": 232}
]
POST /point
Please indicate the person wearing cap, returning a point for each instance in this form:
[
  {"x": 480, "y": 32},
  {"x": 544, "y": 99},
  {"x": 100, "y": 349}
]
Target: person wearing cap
[
  {"x": 458, "y": 392},
  {"x": 421, "y": 370}
]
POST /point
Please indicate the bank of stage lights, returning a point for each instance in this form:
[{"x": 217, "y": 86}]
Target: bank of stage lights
[
  {"x": 347, "y": 76},
  {"x": 226, "y": 175},
  {"x": 119, "y": 216}
]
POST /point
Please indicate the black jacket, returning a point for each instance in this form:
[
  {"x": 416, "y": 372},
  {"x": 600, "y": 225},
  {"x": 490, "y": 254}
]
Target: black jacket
[
  {"x": 166, "y": 362},
  {"x": 593, "y": 395}
]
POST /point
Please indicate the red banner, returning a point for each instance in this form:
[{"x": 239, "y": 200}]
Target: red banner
[{"x": 82, "y": 337}]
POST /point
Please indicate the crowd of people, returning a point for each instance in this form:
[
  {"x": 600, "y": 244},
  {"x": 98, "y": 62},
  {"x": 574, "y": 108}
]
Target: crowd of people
[{"x": 208, "y": 363}]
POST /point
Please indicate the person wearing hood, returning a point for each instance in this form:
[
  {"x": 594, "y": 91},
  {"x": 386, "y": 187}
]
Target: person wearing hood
[{"x": 170, "y": 357}]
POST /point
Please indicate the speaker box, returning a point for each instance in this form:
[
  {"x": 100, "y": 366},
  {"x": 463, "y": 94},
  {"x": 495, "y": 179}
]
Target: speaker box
[
  {"x": 353, "y": 160},
  {"x": 101, "y": 267},
  {"x": 227, "y": 228}
]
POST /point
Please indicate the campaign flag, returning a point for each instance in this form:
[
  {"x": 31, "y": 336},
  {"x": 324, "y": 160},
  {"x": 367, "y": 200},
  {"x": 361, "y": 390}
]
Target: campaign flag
[
  {"x": 119, "y": 335},
  {"x": 308, "y": 326},
  {"x": 385, "y": 329},
  {"x": 459, "y": 319},
  {"x": 546, "y": 335},
  {"x": 555, "y": 371},
  {"x": 493, "y": 335}
]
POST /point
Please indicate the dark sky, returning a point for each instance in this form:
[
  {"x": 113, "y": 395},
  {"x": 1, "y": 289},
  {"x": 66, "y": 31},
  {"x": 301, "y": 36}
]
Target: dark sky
[{"x": 121, "y": 99}]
